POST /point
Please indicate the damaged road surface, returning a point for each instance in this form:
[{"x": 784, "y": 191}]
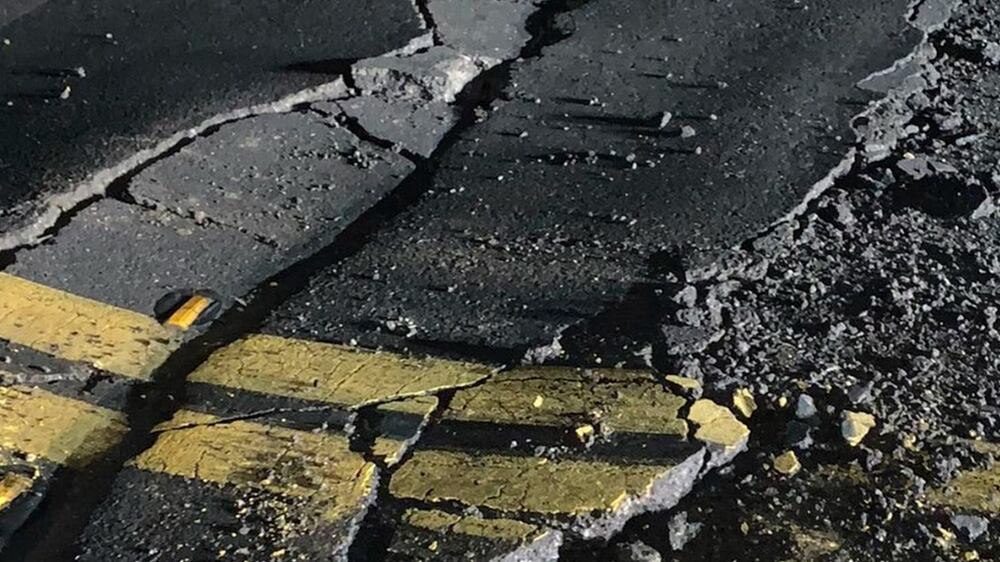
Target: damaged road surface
[
  {"x": 90, "y": 92},
  {"x": 452, "y": 280}
]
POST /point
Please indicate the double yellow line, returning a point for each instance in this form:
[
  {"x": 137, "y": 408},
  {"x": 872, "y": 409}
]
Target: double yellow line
[{"x": 39, "y": 424}]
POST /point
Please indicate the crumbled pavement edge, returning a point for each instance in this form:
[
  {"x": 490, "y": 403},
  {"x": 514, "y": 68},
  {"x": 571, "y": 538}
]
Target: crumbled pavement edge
[{"x": 864, "y": 326}]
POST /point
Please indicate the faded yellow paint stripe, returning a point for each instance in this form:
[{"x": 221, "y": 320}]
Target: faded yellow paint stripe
[
  {"x": 622, "y": 400},
  {"x": 59, "y": 429},
  {"x": 493, "y": 529},
  {"x": 317, "y": 467},
  {"x": 74, "y": 328},
  {"x": 522, "y": 484},
  {"x": 330, "y": 373}
]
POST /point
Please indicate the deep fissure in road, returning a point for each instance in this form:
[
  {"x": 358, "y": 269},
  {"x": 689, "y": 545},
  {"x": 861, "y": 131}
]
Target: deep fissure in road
[{"x": 53, "y": 529}]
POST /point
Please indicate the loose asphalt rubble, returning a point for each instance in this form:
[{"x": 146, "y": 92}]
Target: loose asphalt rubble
[
  {"x": 864, "y": 326},
  {"x": 846, "y": 348}
]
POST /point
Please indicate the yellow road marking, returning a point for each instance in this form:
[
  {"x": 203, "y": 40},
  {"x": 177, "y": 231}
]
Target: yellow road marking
[
  {"x": 329, "y": 373},
  {"x": 77, "y": 329},
  {"x": 620, "y": 400},
  {"x": 494, "y": 529},
  {"x": 522, "y": 483},
  {"x": 64, "y": 431},
  {"x": 608, "y": 401},
  {"x": 185, "y": 316},
  {"x": 317, "y": 467}
]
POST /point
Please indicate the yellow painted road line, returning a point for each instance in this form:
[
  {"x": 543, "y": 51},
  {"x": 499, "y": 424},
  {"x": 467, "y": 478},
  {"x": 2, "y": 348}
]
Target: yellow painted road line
[
  {"x": 330, "y": 373},
  {"x": 494, "y": 529},
  {"x": 185, "y": 316},
  {"x": 58, "y": 429},
  {"x": 78, "y": 329},
  {"x": 620, "y": 400},
  {"x": 317, "y": 467},
  {"x": 522, "y": 484},
  {"x": 615, "y": 414},
  {"x": 436, "y": 535}
]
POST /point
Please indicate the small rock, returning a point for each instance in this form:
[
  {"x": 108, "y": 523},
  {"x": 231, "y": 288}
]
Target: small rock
[
  {"x": 681, "y": 531},
  {"x": 744, "y": 402},
  {"x": 860, "y": 392},
  {"x": 638, "y": 552},
  {"x": 685, "y": 385},
  {"x": 856, "y": 426},
  {"x": 539, "y": 400},
  {"x": 805, "y": 407},
  {"x": 687, "y": 131},
  {"x": 687, "y": 297},
  {"x": 972, "y": 526},
  {"x": 665, "y": 118},
  {"x": 64, "y": 95},
  {"x": 985, "y": 209},
  {"x": 991, "y": 51},
  {"x": 787, "y": 463},
  {"x": 585, "y": 433}
]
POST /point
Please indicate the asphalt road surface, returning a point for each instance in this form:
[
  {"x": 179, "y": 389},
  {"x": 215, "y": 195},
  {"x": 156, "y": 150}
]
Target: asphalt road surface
[
  {"x": 88, "y": 85},
  {"x": 498, "y": 280}
]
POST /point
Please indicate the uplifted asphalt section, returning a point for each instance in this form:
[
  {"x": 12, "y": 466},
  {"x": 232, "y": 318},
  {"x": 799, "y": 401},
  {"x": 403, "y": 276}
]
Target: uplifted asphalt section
[
  {"x": 578, "y": 183},
  {"x": 86, "y": 88},
  {"x": 403, "y": 89},
  {"x": 237, "y": 205}
]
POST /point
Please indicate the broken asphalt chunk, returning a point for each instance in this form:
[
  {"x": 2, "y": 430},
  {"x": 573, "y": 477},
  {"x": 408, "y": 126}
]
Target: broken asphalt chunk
[
  {"x": 437, "y": 74},
  {"x": 289, "y": 179},
  {"x": 275, "y": 488},
  {"x": 488, "y": 31},
  {"x": 416, "y": 126},
  {"x": 511, "y": 445},
  {"x": 718, "y": 428},
  {"x": 283, "y": 440}
]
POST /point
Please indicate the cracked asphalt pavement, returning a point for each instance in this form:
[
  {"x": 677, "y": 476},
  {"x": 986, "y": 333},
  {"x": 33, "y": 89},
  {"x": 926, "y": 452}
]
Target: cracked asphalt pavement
[{"x": 499, "y": 280}]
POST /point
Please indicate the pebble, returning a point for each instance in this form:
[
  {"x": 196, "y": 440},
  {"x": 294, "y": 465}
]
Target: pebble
[
  {"x": 638, "y": 552},
  {"x": 787, "y": 463},
  {"x": 681, "y": 531},
  {"x": 744, "y": 402},
  {"x": 860, "y": 392},
  {"x": 856, "y": 426},
  {"x": 805, "y": 407},
  {"x": 972, "y": 526}
]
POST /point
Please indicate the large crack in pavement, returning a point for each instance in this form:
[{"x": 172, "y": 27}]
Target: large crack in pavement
[
  {"x": 53, "y": 530},
  {"x": 90, "y": 93},
  {"x": 393, "y": 82}
]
